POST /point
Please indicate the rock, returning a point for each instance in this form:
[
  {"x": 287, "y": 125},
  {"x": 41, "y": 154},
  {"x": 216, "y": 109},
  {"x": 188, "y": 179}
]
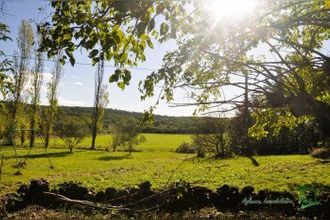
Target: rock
[
  {"x": 14, "y": 202},
  {"x": 121, "y": 197},
  {"x": 23, "y": 190},
  {"x": 247, "y": 191},
  {"x": 73, "y": 190},
  {"x": 37, "y": 187},
  {"x": 324, "y": 199},
  {"x": 202, "y": 197},
  {"x": 110, "y": 193},
  {"x": 145, "y": 186},
  {"x": 100, "y": 196},
  {"x": 227, "y": 198},
  {"x": 3, "y": 211}
]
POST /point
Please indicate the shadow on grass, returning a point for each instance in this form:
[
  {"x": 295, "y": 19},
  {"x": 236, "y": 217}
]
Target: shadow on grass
[
  {"x": 254, "y": 161},
  {"x": 108, "y": 158},
  {"x": 43, "y": 155}
]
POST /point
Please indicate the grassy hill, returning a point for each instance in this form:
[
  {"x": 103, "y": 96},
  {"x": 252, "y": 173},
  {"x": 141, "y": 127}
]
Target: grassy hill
[{"x": 162, "y": 124}]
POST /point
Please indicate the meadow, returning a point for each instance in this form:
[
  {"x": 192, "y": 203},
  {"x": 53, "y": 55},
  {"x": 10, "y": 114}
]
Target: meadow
[{"x": 156, "y": 161}]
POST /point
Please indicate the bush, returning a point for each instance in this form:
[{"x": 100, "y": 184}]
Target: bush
[
  {"x": 127, "y": 135},
  {"x": 322, "y": 153},
  {"x": 71, "y": 130},
  {"x": 186, "y": 148},
  {"x": 214, "y": 137},
  {"x": 218, "y": 144}
]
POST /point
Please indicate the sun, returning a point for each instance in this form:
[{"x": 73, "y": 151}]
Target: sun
[{"x": 230, "y": 8}]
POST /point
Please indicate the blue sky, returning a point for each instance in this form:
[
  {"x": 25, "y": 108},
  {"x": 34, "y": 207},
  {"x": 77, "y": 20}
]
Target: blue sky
[{"x": 77, "y": 84}]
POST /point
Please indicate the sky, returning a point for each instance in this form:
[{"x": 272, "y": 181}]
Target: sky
[{"x": 77, "y": 84}]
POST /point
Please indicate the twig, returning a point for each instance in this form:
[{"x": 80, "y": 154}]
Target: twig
[
  {"x": 90, "y": 204},
  {"x": 176, "y": 168},
  {"x": 86, "y": 203}
]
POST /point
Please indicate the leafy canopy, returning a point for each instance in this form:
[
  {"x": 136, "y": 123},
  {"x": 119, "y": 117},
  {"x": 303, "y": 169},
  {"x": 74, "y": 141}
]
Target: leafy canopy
[
  {"x": 113, "y": 30},
  {"x": 278, "y": 49},
  {"x": 5, "y": 64}
]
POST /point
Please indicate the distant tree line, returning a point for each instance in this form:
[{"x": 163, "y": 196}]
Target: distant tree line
[{"x": 161, "y": 124}]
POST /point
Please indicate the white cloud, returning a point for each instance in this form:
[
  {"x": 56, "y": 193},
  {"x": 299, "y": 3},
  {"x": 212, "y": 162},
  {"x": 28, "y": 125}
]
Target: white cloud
[
  {"x": 67, "y": 102},
  {"x": 78, "y": 83}
]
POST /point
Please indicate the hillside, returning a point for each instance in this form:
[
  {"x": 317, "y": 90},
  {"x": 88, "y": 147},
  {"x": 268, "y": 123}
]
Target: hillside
[{"x": 162, "y": 124}]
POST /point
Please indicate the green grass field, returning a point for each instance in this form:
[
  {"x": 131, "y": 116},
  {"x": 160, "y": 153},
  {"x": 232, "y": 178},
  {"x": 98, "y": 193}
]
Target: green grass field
[
  {"x": 155, "y": 162},
  {"x": 154, "y": 142}
]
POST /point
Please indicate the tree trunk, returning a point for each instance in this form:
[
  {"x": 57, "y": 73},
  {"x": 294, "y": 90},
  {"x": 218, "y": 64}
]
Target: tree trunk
[
  {"x": 247, "y": 118},
  {"x": 94, "y": 128},
  {"x": 22, "y": 135},
  {"x": 32, "y": 126},
  {"x": 48, "y": 127}
]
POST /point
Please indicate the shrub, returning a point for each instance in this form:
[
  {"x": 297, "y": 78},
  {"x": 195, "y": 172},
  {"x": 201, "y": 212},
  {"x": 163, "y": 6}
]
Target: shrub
[
  {"x": 322, "y": 153},
  {"x": 127, "y": 135},
  {"x": 71, "y": 130},
  {"x": 186, "y": 148},
  {"x": 218, "y": 143},
  {"x": 214, "y": 137}
]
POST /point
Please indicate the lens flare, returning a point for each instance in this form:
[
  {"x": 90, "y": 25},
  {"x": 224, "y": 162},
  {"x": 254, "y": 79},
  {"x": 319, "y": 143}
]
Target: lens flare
[{"x": 219, "y": 9}]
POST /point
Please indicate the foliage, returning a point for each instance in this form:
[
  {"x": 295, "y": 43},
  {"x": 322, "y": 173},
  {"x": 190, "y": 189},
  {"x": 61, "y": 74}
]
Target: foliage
[
  {"x": 71, "y": 130},
  {"x": 52, "y": 96},
  {"x": 25, "y": 40},
  {"x": 118, "y": 31},
  {"x": 161, "y": 124},
  {"x": 126, "y": 135},
  {"x": 20, "y": 74},
  {"x": 214, "y": 137},
  {"x": 292, "y": 74},
  {"x": 101, "y": 100},
  {"x": 219, "y": 144},
  {"x": 35, "y": 93},
  {"x": 186, "y": 148},
  {"x": 4, "y": 114},
  {"x": 278, "y": 131},
  {"x": 5, "y": 64}
]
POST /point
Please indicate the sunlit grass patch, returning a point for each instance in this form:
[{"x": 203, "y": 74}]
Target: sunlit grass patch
[{"x": 101, "y": 169}]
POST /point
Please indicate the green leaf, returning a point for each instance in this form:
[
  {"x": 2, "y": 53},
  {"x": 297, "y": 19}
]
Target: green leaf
[
  {"x": 93, "y": 53},
  {"x": 127, "y": 76},
  {"x": 121, "y": 85},
  {"x": 164, "y": 28},
  {"x": 151, "y": 25},
  {"x": 141, "y": 28},
  {"x": 115, "y": 77},
  {"x": 71, "y": 58}
]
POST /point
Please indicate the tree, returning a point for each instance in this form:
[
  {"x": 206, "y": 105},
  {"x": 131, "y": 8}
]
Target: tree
[
  {"x": 71, "y": 130},
  {"x": 101, "y": 100},
  {"x": 292, "y": 74},
  {"x": 214, "y": 136},
  {"x": 122, "y": 29},
  {"x": 36, "y": 79},
  {"x": 126, "y": 135},
  {"x": 52, "y": 96},
  {"x": 5, "y": 64},
  {"x": 5, "y": 84},
  {"x": 25, "y": 42}
]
